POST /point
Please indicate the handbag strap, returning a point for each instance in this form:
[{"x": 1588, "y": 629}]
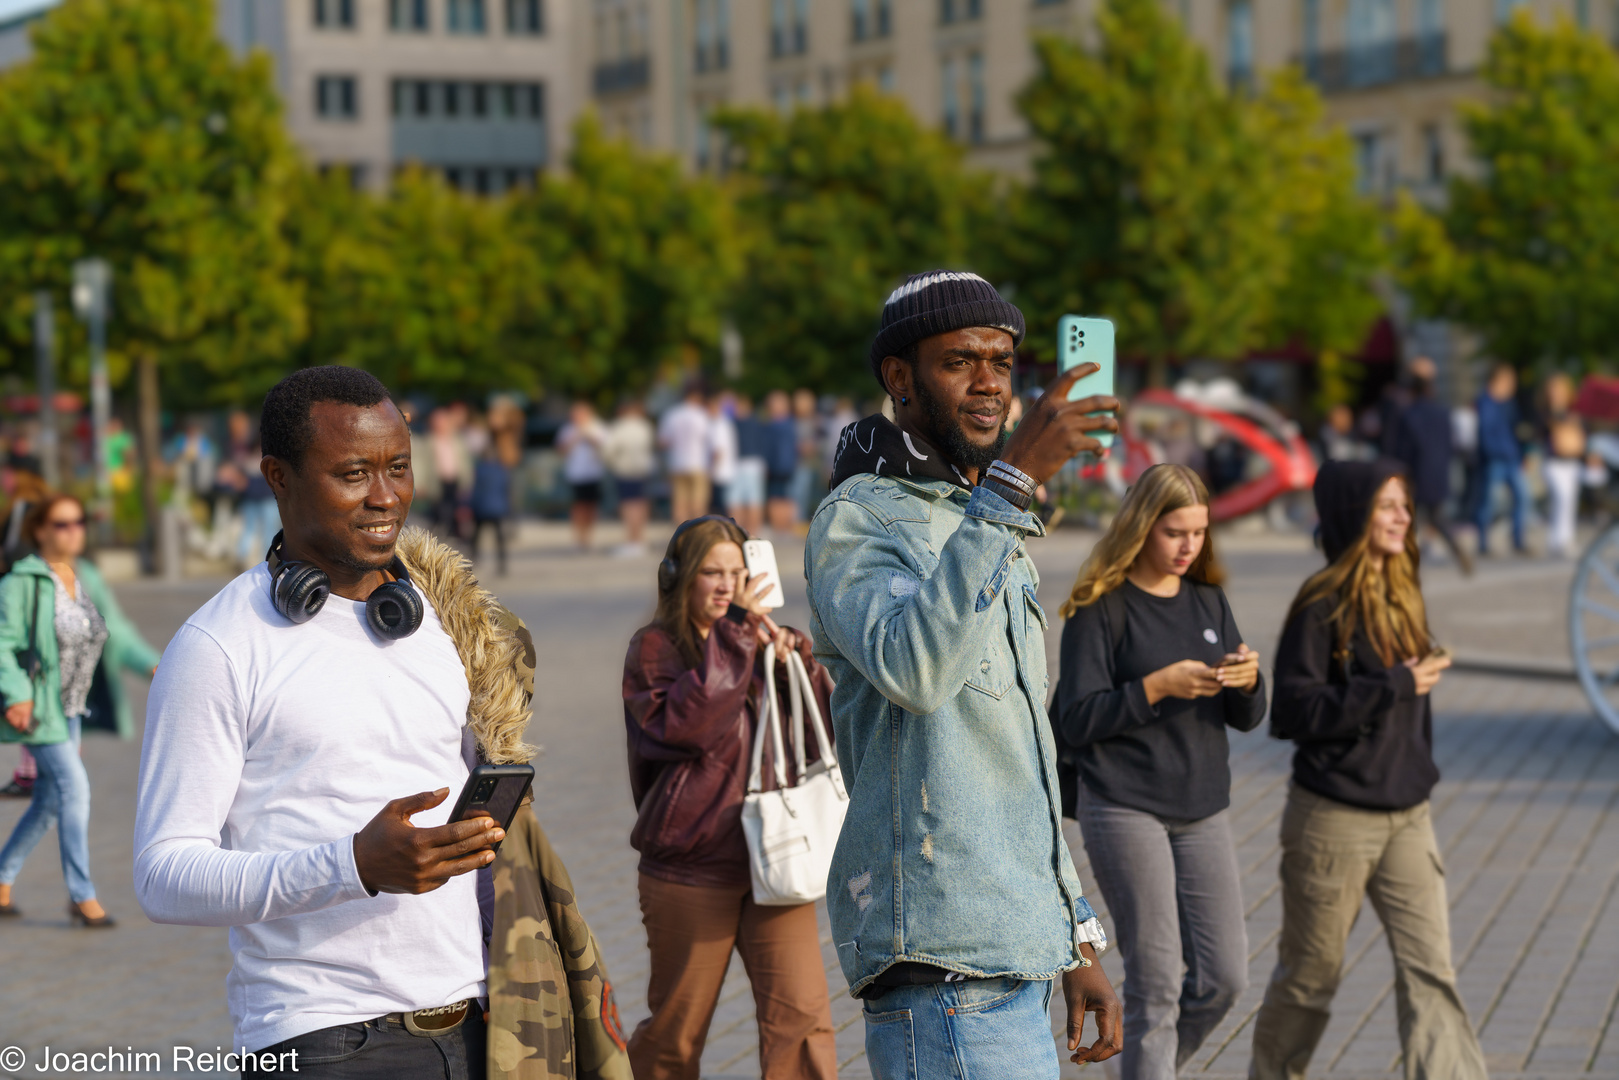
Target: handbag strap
[
  {"x": 769, "y": 718},
  {"x": 795, "y": 665}
]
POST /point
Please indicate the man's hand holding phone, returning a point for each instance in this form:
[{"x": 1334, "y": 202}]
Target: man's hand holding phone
[
  {"x": 1055, "y": 429},
  {"x": 394, "y": 856}
]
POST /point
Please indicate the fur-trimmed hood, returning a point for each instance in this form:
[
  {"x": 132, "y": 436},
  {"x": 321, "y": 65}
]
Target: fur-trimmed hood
[{"x": 495, "y": 646}]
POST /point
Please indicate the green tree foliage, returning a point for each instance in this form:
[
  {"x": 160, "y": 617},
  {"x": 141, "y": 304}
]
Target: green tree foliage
[
  {"x": 633, "y": 263},
  {"x": 838, "y": 205},
  {"x": 1204, "y": 222},
  {"x": 1527, "y": 250},
  {"x": 419, "y": 286},
  {"x": 134, "y": 135}
]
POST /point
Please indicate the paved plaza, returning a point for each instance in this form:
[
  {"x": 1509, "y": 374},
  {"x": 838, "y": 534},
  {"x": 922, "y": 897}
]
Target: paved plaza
[{"x": 1525, "y": 814}]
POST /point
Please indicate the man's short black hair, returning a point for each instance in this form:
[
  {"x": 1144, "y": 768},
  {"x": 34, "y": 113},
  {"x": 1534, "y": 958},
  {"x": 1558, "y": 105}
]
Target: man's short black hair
[{"x": 285, "y": 428}]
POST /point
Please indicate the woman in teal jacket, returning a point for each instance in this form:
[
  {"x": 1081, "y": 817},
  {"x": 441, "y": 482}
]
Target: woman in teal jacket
[{"x": 59, "y": 625}]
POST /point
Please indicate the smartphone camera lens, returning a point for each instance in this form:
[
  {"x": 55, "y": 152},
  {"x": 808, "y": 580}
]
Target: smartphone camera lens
[{"x": 485, "y": 788}]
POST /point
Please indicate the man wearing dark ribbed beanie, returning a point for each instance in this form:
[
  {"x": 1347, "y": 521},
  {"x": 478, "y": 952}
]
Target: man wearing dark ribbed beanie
[{"x": 955, "y": 905}]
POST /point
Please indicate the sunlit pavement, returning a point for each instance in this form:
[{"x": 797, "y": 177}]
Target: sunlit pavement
[{"x": 1525, "y": 816}]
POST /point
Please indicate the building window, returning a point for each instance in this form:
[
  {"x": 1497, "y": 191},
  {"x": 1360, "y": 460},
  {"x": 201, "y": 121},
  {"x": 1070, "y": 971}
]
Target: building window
[
  {"x": 885, "y": 17},
  {"x": 975, "y": 8},
  {"x": 452, "y": 99},
  {"x": 711, "y": 50},
  {"x": 1311, "y": 20},
  {"x": 1433, "y": 154},
  {"x": 1370, "y": 33},
  {"x": 467, "y": 17},
  {"x": 947, "y": 11},
  {"x": 1374, "y": 164},
  {"x": 1239, "y": 43},
  {"x": 952, "y": 99},
  {"x": 860, "y": 21},
  {"x": 480, "y": 99},
  {"x": 885, "y": 79},
  {"x": 789, "y": 27},
  {"x": 408, "y": 16},
  {"x": 975, "y": 97},
  {"x": 525, "y": 17},
  {"x": 336, "y": 97},
  {"x": 1505, "y": 8},
  {"x": 334, "y": 14}
]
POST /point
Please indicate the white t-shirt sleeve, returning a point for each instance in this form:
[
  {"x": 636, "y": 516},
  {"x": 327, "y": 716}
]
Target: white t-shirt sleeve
[{"x": 191, "y": 765}]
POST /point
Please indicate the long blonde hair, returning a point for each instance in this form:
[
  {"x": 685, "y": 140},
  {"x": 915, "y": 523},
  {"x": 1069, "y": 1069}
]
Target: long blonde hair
[
  {"x": 1386, "y": 603},
  {"x": 1161, "y": 490}
]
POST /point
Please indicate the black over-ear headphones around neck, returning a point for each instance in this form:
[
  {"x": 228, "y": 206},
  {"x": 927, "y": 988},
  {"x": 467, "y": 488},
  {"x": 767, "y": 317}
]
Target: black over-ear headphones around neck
[
  {"x": 669, "y": 568},
  {"x": 298, "y": 590}
]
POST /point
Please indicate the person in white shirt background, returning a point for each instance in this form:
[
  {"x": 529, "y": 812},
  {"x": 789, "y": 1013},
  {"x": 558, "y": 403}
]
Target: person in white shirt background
[
  {"x": 629, "y": 457},
  {"x": 581, "y": 441},
  {"x": 683, "y": 436},
  {"x": 296, "y": 767},
  {"x": 722, "y": 450}
]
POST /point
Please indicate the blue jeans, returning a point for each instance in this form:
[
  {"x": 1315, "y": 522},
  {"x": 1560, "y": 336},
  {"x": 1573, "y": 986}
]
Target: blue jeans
[
  {"x": 981, "y": 1029},
  {"x": 261, "y": 520},
  {"x": 1509, "y": 473},
  {"x": 61, "y": 797}
]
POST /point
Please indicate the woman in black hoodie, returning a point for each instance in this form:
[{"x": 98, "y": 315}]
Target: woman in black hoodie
[{"x": 1353, "y": 671}]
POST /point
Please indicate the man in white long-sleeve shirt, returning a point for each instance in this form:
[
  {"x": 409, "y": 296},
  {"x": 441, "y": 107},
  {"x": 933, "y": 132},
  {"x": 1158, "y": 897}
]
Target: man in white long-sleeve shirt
[{"x": 284, "y": 761}]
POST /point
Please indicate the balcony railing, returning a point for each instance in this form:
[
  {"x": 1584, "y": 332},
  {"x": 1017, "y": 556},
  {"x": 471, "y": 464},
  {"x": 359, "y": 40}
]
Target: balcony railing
[
  {"x": 618, "y": 76},
  {"x": 1378, "y": 64}
]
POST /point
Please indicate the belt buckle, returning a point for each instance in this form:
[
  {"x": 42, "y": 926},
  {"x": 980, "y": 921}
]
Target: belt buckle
[{"x": 427, "y": 1023}]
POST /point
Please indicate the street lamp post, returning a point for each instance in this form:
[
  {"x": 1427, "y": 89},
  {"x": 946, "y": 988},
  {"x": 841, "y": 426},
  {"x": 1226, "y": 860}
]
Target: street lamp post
[
  {"x": 45, "y": 384},
  {"x": 92, "y": 297}
]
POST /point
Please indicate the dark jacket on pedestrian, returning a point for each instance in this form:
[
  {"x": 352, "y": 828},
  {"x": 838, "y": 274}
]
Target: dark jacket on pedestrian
[
  {"x": 491, "y": 490},
  {"x": 1422, "y": 443},
  {"x": 1363, "y": 735},
  {"x": 781, "y": 447},
  {"x": 1498, "y": 430},
  {"x": 1168, "y": 759},
  {"x": 691, "y": 733}
]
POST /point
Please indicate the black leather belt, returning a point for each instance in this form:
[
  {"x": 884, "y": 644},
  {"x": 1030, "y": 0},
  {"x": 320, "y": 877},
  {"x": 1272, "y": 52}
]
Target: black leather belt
[{"x": 430, "y": 1022}]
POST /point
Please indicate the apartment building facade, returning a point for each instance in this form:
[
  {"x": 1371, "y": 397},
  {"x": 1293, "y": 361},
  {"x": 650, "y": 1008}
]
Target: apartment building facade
[
  {"x": 477, "y": 90},
  {"x": 1392, "y": 72}
]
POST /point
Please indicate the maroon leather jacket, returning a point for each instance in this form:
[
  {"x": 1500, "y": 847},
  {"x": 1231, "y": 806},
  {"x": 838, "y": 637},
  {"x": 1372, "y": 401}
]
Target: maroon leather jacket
[{"x": 691, "y": 740}]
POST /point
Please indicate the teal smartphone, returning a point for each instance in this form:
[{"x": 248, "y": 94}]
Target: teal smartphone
[{"x": 1085, "y": 340}]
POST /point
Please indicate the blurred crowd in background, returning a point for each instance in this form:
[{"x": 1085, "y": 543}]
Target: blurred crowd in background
[{"x": 1538, "y": 454}]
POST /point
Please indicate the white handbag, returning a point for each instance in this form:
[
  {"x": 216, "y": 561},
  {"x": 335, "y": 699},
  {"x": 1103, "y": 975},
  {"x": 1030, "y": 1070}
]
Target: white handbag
[{"x": 791, "y": 831}]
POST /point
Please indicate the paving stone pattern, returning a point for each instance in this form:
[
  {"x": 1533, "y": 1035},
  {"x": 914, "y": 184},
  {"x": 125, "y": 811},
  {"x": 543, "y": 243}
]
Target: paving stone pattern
[{"x": 1525, "y": 817}]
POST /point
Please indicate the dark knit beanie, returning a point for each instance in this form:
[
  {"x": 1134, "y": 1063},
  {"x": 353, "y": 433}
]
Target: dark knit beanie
[{"x": 938, "y": 302}]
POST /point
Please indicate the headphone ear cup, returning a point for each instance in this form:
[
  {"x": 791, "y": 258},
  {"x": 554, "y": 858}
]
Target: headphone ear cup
[
  {"x": 394, "y": 610},
  {"x": 300, "y": 591},
  {"x": 668, "y": 574}
]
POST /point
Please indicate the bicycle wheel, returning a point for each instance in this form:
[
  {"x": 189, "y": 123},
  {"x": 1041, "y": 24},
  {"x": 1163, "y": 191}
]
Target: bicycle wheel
[{"x": 1593, "y": 624}]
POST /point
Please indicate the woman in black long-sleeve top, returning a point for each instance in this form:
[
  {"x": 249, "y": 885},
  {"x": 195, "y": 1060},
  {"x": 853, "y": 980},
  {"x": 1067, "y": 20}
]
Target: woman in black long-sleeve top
[
  {"x": 1353, "y": 672},
  {"x": 1153, "y": 671}
]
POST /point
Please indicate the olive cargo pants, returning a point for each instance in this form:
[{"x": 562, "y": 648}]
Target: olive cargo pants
[{"x": 1333, "y": 855}]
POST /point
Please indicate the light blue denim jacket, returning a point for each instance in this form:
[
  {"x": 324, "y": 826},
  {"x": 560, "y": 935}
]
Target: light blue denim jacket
[{"x": 923, "y": 608}]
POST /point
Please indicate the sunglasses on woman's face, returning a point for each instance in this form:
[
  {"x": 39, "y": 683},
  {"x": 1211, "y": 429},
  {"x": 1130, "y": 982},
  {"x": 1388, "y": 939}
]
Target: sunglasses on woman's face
[{"x": 64, "y": 526}]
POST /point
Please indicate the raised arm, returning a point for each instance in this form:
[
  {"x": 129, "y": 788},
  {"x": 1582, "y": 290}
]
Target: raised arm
[
  {"x": 191, "y": 764},
  {"x": 915, "y": 640},
  {"x": 676, "y": 711}
]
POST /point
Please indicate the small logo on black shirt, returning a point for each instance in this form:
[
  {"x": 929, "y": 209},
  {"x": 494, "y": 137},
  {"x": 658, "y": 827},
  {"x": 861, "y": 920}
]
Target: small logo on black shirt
[{"x": 1211, "y": 637}]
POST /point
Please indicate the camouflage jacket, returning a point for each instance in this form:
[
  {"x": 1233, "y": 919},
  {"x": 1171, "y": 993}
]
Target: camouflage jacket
[{"x": 551, "y": 1010}]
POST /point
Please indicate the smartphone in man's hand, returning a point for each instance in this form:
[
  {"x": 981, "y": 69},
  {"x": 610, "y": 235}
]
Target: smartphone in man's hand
[{"x": 494, "y": 791}]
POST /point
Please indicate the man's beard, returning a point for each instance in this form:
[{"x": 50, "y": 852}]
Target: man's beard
[{"x": 945, "y": 432}]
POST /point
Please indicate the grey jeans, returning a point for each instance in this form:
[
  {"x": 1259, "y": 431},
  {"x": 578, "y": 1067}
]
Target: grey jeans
[{"x": 1174, "y": 897}]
